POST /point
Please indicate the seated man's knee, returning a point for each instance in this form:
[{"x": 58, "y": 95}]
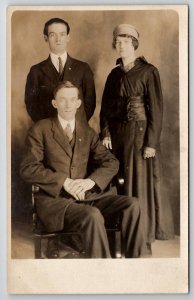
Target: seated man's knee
[
  {"x": 134, "y": 203},
  {"x": 93, "y": 214}
]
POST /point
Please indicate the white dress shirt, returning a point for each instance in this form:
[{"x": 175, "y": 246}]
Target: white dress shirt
[
  {"x": 64, "y": 123},
  {"x": 55, "y": 59}
]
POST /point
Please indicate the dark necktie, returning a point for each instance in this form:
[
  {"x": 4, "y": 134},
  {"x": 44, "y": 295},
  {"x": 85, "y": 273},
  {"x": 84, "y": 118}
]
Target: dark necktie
[
  {"x": 60, "y": 65},
  {"x": 68, "y": 132}
]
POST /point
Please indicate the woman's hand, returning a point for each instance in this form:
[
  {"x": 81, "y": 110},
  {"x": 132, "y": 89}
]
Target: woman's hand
[
  {"x": 107, "y": 142},
  {"x": 149, "y": 152}
]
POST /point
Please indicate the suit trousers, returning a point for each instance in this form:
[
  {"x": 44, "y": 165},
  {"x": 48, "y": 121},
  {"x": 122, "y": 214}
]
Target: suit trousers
[{"x": 88, "y": 218}]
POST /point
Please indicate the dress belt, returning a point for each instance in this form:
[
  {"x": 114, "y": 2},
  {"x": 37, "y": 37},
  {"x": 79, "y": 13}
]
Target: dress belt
[
  {"x": 135, "y": 109},
  {"x": 136, "y": 98}
]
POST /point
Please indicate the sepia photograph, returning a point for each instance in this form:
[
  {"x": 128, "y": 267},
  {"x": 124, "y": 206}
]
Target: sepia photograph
[{"x": 97, "y": 102}]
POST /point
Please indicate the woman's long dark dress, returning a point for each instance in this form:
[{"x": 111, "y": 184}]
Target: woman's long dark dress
[{"x": 131, "y": 114}]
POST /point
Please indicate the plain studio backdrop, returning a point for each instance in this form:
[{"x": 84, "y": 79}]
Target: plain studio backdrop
[{"x": 91, "y": 41}]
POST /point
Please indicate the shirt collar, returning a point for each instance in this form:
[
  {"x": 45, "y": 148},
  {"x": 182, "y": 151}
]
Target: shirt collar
[
  {"x": 55, "y": 59},
  {"x": 65, "y": 122}
]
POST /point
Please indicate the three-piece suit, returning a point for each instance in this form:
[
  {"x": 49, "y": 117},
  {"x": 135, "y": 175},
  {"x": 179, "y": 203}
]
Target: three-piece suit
[{"x": 50, "y": 159}]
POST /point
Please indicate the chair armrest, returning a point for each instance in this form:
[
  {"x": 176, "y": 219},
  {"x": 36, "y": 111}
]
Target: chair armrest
[
  {"x": 35, "y": 188},
  {"x": 120, "y": 181}
]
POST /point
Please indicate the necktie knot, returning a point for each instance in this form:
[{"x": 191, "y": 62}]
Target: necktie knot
[
  {"x": 69, "y": 132},
  {"x": 60, "y": 65}
]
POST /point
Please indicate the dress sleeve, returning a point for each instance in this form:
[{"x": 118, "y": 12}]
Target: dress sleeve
[
  {"x": 155, "y": 109},
  {"x": 105, "y": 109}
]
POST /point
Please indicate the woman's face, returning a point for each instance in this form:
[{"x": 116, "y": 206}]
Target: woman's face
[{"x": 124, "y": 46}]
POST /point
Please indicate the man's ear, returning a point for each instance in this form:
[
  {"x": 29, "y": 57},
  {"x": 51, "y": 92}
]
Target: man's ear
[
  {"x": 54, "y": 104},
  {"x": 79, "y": 102},
  {"x": 46, "y": 38},
  {"x": 68, "y": 38}
]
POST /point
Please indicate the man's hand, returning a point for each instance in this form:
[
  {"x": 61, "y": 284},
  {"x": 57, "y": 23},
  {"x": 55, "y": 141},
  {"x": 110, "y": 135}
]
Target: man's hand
[
  {"x": 82, "y": 184},
  {"x": 69, "y": 187},
  {"x": 149, "y": 152},
  {"x": 107, "y": 142},
  {"x": 78, "y": 187}
]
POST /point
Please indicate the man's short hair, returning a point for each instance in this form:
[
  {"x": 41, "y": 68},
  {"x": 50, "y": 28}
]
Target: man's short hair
[
  {"x": 135, "y": 42},
  {"x": 64, "y": 84},
  {"x": 52, "y": 21}
]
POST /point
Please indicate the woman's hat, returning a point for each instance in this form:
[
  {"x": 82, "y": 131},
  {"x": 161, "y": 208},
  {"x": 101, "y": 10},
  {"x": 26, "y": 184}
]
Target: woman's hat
[{"x": 126, "y": 29}]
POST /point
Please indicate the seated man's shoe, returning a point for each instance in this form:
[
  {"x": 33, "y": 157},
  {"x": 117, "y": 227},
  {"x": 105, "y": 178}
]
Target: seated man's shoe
[
  {"x": 71, "y": 247},
  {"x": 52, "y": 249},
  {"x": 72, "y": 255},
  {"x": 74, "y": 242}
]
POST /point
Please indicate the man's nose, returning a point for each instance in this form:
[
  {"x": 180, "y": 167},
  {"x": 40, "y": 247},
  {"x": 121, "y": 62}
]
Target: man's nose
[
  {"x": 58, "y": 37},
  {"x": 67, "y": 103}
]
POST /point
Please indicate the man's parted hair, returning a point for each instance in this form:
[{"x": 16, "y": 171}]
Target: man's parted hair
[
  {"x": 52, "y": 21},
  {"x": 65, "y": 84}
]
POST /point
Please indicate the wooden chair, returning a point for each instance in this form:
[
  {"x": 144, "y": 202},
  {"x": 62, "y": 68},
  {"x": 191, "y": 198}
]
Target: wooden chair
[{"x": 113, "y": 233}]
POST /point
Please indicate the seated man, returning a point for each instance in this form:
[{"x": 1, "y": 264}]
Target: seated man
[{"x": 73, "y": 170}]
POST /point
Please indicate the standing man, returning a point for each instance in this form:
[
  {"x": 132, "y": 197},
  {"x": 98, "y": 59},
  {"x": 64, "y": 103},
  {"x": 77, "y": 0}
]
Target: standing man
[
  {"x": 59, "y": 66},
  {"x": 59, "y": 151}
]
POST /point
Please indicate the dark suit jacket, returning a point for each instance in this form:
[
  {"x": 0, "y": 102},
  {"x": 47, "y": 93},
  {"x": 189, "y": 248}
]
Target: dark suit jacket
[
  {"x": 49, "y": 160},
  {"x": 42, "y": 80}
]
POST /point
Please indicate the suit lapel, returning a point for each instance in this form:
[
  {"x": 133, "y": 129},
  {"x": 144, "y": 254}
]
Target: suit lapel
[
  {"x": 60, "y": 137},
  {"x": 68, "y": 69},
  {"x": 49, "y": 70}
]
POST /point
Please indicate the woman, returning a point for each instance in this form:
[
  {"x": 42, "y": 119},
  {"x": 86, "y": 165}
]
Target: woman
[{"x": 131, "y": 123}]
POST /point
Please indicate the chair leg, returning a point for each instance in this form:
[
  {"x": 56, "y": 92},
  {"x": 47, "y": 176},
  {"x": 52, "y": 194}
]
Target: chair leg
[
  {"x": 37, "y": 247},
  {"x": 118, "y": 244}
]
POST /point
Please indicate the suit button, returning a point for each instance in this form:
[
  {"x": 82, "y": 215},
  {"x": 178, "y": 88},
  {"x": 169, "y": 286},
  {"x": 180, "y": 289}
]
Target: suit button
[
  {"x": 140, "y": 128},
  {"x": 72, "y": 168}
]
